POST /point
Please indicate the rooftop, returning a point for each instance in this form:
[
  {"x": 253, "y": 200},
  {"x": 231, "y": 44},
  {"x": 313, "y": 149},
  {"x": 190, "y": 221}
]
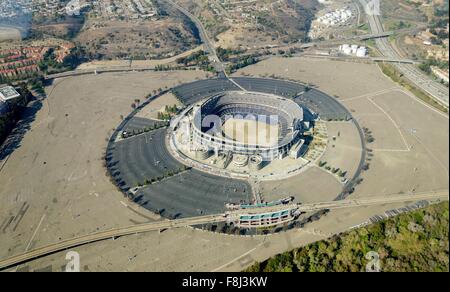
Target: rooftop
[{"x": 7, "y": 93}]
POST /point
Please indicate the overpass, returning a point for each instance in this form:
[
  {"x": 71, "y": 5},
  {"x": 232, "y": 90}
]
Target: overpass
[
  {"x": 375, "y": 35},
  {"x": 230, "y": 216},
  {"x": 394, "y": 60}
]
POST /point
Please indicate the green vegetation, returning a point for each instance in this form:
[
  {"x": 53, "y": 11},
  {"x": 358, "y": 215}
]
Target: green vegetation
[
  {"x": 168, "y": 113},
  {"x": 390, "y": 71},
  {"x": 168, "y": 174},
  {"x": 225, "y": 54},
  {"x": 199, "y": 59},
  {"x": 364, "y": 26},
  {"x": 242, "y": 62},
  {"x": 49, "y": 65},
  {"x": 399, "y": 25},
  {"x": 428, "y": 63},
  {"x": 414, "y": 241},
  {"x": 153, "y": 127}
]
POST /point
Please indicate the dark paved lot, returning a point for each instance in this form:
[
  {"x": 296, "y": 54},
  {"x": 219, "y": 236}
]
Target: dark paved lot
[
  {"x": 195, "y": 91},
  {"x": 193, "y": 193},
  {"x": 326, "y": 106},
  {"x": 142, "y": 157},
  {"x": 137, "y": 123},
  {"x": 278, "y": 87}
]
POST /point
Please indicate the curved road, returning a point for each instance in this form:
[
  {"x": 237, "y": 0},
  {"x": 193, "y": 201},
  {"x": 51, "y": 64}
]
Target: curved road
[
  {"x": 160, "y": 225},
  {"x": 209, "y": 46}
]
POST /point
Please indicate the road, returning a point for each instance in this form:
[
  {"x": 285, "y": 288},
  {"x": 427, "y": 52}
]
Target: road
[
  {"x": 208, "y": 44},
  {"x": 167, "y": 224},
  {"x": 438, "y": 91}
]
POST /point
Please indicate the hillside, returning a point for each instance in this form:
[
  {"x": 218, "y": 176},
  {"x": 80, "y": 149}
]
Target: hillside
[{"x": 414, "y": 241}]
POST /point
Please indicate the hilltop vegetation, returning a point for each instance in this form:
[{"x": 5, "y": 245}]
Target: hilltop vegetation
[{"x": 414, "y": 241}]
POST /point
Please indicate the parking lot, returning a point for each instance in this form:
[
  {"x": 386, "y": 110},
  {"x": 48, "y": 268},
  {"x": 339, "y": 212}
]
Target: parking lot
[{"x": 193, "y": 193}]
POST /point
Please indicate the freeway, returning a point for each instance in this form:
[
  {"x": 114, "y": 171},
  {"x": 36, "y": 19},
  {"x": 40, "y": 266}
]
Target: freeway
[
  {"x": 438, "y": 91},
  {"x": 167, "y": 224}
]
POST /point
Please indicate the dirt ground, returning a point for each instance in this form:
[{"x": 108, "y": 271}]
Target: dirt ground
[
  {"x": 341, "y": 79},
  {"x": 143, "y": 39},
  {"x": 9, "y": 34},
  {"x": 344, "y": 147},
  {"x": 55, "y": 185},
  {"x": 411, "y": 148},
  {"x": 135, "y": 63},
  {"x": 313, "y": 185},
  {"x": 158, "y": 105}
]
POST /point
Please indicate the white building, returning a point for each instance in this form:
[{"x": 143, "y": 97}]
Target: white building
[
  {"x": 353, "y": 50},
  {"x": 8, "y": 93},
  {"x": 361, "y": 52}
]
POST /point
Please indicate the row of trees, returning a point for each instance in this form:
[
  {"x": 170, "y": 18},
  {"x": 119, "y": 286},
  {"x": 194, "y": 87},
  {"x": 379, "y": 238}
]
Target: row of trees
[
  {"x": 168, "y": 113},
  {"x": 168, "y": 174},
  {"x": 242, "y": 63},
  {"x": 153, "y": 127}
]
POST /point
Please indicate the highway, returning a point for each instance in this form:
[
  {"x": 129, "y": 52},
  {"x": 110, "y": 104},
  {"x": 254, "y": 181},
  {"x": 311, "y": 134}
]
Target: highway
[
  {"x": 168, "y": 224},
  {"x": 411, "y": 72}
]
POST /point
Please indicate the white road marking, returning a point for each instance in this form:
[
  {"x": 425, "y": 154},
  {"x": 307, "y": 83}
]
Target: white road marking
[
  {"x": 373, "y": 94},
  {"x": 408, "y": 148},
  {"x": 34, "y": 234},
  {"x": 237, "y": 258}
]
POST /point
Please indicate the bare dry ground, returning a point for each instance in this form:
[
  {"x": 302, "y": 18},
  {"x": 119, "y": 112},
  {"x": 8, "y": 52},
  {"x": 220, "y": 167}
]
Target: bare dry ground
[
  {"x": 135, "y": 63},
  {"x": 344, "y": 147},
  {"x": 158, "y": 105},
  {"x": 147, "y": 39},
  {"x": 425, "y": 166},
  {"x": 313, "y": 185},
  {"x": 56, "y": 178},
  {"x": 7, "y": 33},
  {"x": 411, "y": 149}
]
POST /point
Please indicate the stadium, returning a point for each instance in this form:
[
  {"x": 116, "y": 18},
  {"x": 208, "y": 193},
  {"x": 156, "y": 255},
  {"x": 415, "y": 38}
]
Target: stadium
[
  {"x": 175, "y": 180},
  {"x": 245, "y": 123}
]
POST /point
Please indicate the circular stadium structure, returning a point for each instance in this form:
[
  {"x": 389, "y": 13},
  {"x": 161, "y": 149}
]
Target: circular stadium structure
[{"x": 245, "y": 123}]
